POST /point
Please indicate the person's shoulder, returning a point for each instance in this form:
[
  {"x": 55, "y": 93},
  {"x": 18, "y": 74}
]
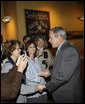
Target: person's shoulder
[
  {"x": 46, "y": 49},
  {"x": 36, "y": 58},
  {"x": 71, "y": 50},
  {"x": 5, "y": 61},
  {"x": 69, "y": 46},
  {"x": 6, "y": 67},
  {"x": 73, "y": 47}
]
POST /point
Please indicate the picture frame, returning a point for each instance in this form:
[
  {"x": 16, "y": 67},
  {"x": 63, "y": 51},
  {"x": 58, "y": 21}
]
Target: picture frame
[
  {"x": 37, "y": 22},
  {"x": 75, "y": 35}
]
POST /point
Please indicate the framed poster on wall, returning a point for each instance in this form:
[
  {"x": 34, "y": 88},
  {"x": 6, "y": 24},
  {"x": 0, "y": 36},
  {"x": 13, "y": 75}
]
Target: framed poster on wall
[
  {"x": 37, "y": 22},
  {"x": 75, "y": 35}
]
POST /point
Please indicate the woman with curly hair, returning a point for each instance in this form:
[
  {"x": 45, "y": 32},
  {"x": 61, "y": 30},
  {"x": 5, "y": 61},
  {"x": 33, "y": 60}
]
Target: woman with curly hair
[{"x": 11, "y": 50}]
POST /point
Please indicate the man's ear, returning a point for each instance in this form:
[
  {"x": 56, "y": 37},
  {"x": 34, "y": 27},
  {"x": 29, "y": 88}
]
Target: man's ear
[{"x": 59, "y": 36}]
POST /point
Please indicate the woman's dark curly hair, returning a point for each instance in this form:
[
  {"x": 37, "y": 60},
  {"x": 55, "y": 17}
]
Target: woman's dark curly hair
[{"x": 9, "y": 47}]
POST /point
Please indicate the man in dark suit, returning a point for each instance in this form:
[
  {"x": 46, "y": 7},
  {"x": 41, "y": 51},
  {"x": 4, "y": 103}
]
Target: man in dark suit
[{"x": 65, "y": 84}]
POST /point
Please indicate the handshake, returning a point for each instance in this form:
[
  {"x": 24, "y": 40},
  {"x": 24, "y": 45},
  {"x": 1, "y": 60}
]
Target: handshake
[
  {"x": 45, "y": 73},
  {"x": 41, "y": 87}
]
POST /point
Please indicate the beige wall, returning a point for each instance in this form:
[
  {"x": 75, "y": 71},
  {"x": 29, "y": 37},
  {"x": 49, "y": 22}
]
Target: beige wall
[
  {"x": 2, "y": 24},
  {"x": 62, "y": 13},
  {"x": 11, "y": 31}
]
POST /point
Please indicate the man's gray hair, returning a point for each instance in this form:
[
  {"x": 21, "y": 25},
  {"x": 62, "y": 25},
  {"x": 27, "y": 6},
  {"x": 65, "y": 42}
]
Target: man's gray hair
[{"x": 59, "y": 31}]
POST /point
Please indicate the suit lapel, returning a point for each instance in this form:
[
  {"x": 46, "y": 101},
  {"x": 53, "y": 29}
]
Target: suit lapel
[
  {"x": 62, "y": 47},
  {"x": 60, "y": 50}
]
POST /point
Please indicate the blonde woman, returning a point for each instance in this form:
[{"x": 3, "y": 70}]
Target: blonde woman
[{"x": 43, "y": 53}]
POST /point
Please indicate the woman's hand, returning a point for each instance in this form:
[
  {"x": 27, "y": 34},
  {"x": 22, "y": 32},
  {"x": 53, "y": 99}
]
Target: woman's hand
[
  {"x": 22, "y": 63},
  {"x": 19, "y": 59}
]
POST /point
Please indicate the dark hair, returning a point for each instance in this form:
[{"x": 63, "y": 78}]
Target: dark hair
[
  {"x": 28, "y": 44},
  {"x": 25, "y": 37},
  {"x": 10, "y": 46}
]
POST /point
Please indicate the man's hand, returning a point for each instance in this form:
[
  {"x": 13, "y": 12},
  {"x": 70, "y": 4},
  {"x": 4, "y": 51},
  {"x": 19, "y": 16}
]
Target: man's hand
[
  {"x": 41, "y": 87},
  {"x": 45, "y": 73}
]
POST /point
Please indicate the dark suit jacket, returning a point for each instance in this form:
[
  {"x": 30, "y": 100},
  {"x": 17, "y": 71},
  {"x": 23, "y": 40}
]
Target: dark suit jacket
[
  {"x": 10, "y": 84},
  {"x": 65, "y": 84}
]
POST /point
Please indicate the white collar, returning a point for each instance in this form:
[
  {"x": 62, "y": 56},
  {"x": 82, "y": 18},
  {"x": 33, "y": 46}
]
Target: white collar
[{"x": 39, "y": 48}]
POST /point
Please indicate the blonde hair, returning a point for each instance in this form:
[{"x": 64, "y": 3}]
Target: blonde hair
[{"x": 41, "y": 37}]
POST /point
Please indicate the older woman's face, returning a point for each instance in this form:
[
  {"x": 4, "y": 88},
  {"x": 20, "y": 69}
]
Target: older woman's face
[
  {"x": 41, "y": 43},
  {"x": 17, "y": 51}
]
